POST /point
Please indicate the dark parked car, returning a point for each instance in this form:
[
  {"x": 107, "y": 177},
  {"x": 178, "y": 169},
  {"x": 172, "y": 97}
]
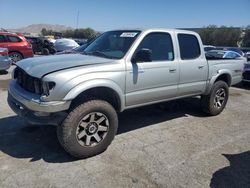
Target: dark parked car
[
  {"x": 208, "y": 48},
  {"x": 248, "y": 56},
  {"x": 41, "y": 45},
  {"x": 246, "y": 73}
]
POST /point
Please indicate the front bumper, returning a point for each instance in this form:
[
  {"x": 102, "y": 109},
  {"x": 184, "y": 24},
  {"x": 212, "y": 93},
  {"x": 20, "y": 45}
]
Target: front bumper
[
  {"x": 29, "y": 106},
  {"x": 32, "y": 101}
]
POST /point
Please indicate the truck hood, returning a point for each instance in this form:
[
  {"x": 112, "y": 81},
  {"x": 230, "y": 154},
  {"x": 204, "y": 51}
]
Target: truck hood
[{"x": 40, "y": 66}]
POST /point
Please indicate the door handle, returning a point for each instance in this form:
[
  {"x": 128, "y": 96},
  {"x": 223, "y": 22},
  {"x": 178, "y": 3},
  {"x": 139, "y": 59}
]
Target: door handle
[
  {"x": 200, "y": 67},
  {"x": 140, "y": 71},
  {"x": 172, "y": 70}
]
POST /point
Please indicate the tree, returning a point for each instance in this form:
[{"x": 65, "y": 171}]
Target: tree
[
  {"x": 246, "y": 38},
  {"x": 87, "y": 33},
  {"x": 44, "y": 31},
  {"x": 220, "y": 36}
]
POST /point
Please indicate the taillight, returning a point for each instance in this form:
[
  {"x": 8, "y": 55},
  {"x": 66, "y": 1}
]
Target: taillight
[
  {"x": 29, "y": 45},
  {"x": 3, "y": 52}
]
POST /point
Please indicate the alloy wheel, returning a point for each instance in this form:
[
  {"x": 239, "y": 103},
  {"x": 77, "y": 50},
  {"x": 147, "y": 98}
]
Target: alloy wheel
[
  {"x": 92, "y": 129},
  {"x": 219, "y": 98}
]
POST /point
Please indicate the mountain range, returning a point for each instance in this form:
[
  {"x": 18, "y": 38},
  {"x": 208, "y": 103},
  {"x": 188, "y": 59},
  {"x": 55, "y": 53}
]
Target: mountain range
[{"x": 36, "y": 28}]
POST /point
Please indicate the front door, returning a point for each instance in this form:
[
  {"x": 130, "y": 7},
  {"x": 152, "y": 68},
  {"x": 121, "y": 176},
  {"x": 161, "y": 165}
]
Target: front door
[{"x": 153, "y": 81}]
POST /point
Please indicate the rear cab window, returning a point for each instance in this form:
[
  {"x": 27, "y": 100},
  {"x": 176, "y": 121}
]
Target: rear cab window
[{"x": 189, "y": 46}]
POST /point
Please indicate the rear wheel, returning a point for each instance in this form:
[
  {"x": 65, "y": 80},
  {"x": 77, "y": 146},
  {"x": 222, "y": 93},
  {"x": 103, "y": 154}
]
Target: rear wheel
[
  {"x": 52, "y": 50},
  {"x": 15, "y": 56},
  {"x": 89, "y": 129},
  {"x": 215, "y": 102},
  {"x": 45, "y": 51}
]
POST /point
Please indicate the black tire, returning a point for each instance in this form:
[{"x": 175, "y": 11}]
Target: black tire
[
  {"x": 67, "y": 131},
  {"x": 45, "y": 51},
  {"x": 208, "y": 102},
  {"x": 52, "y": 51},
  {"x": 15, "y": 56}
]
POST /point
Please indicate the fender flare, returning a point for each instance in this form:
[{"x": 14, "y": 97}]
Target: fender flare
[
  {"x": 80, "y": 88},
  {"x": 214, "y": 78}
]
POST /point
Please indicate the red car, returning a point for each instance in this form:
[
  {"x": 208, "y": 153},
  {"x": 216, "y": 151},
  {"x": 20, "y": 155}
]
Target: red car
[{"x": 19, "y": 48}]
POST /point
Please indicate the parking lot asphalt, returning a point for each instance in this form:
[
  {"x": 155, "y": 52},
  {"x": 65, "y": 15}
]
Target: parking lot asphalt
[{"x": 165, "y": 145}]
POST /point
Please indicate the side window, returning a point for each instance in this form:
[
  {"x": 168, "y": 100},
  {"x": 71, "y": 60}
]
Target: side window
[
  {"x": 14, "y": 39},
  {"x": 189, "y": 46},
  {"x": 2, "y": 38},
  {"x": 160, "y": 44},
  {"x": 231, "y": 55}
]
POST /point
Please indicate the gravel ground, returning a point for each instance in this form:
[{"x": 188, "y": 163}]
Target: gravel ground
[{"x": 166, "y": 145}]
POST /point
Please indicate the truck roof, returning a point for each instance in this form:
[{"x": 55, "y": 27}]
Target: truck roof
[{"x": 156, "y": 29}]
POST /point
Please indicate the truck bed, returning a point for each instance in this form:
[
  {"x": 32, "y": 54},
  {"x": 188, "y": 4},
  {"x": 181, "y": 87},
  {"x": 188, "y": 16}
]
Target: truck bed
[{"x": 232, "y": 66}]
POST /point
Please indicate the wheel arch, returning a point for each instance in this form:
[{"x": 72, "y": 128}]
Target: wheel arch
[
  {"x": 223, "y": 75},
  {"x": 16, "y": 52},
  {"x": 102, "y": 89}
]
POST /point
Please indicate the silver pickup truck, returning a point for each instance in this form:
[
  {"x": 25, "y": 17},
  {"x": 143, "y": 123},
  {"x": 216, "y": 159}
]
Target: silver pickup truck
[{"x": 121, "y": 69}]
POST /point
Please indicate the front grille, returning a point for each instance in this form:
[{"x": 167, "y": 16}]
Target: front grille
[
  {"x": 246, "y": 75},
  {"x": 28, "y": 82}
]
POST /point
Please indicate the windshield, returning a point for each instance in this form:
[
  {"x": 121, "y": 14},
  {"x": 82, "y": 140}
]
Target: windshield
[{"x": 112, "y": 44}]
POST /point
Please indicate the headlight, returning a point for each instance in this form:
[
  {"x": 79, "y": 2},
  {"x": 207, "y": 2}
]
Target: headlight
[{"x": 47, "y": 87}]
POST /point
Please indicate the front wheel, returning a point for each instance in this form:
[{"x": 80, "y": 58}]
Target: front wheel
[
  {"x": 215, "y": 102},
  {"x": 88, "y": 129}
]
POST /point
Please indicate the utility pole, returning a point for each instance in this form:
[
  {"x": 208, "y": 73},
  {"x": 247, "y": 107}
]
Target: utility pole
[{"x": 77, "y": 19}]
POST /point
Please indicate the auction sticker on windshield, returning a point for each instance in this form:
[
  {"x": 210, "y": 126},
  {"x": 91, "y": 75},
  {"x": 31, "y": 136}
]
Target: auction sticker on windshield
[{"x": 128, "y": 34}]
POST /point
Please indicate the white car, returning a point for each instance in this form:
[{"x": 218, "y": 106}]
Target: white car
[
  {"x": 65, "y": 44},
  {"x": 224, "y": 54},
  {"x": 5, "y": 61}
]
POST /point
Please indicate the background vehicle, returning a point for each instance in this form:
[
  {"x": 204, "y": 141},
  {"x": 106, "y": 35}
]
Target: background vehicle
[
  {"x": 246, "y": 73},
  {"x": 223, "y": 54},
  {"x": 76, "y": 50},
  {"x": 65, "y": 44},
  {"x": 5, "y": 61},
  {"x": 235, "y": 49},
  {"x": 81, "y": 41},
  {"x": 41, "y": 45},
  {"x": 122, "y": 69},
  {"x": 248, "y": 56},
  {"x": 208, "y": 48},
  {"x": 19, "y": 48}
]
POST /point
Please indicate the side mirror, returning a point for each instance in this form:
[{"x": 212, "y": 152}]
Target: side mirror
[{"x": 143, "y": 55}]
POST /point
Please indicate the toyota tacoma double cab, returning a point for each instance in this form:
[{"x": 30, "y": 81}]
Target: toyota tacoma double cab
[{"x": 122, "y": 69}]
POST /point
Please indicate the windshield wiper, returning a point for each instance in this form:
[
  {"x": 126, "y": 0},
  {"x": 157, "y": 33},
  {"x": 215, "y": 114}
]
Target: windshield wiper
[
  {"x": 84, "y": 53},
  {"x": 100, "y": 54}
]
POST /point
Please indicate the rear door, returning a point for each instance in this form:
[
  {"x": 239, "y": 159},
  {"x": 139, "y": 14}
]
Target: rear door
[
  {"x": 157, "y": 80},
  {"x": 3, "y": 41},
  {"x": 193, "y": 65},
  {"x": 14, "y": 43}
]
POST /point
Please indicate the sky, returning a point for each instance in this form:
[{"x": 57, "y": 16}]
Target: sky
[{"x": 103, "y": 15}]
